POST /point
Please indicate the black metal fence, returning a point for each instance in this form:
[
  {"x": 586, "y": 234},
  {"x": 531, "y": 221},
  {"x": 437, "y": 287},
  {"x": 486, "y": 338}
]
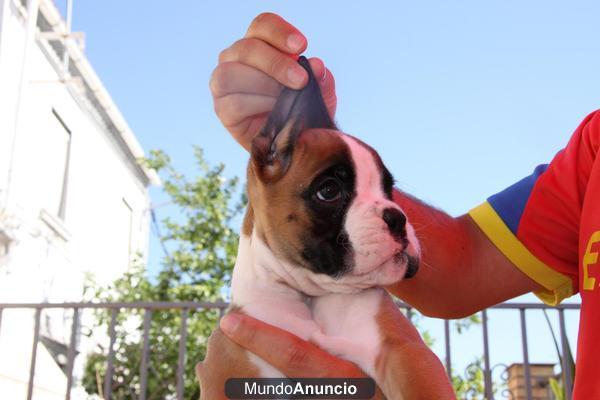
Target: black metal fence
[{"x": 184, "y": 308}]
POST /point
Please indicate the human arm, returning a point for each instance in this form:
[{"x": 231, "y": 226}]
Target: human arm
[
  {"x": 534, "y": 225},
  {"x": 459, "y": 264}
]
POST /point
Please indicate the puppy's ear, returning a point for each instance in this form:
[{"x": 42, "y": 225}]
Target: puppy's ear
[{"x": 295, "y": 111}]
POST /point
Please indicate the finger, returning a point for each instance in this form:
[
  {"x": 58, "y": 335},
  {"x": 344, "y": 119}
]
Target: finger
[
  {"x": 277, "y": 32},
  {"x": 327, "y": 85},
  {"x": 262, "y": 56},
  {"x": 246, "y": 131},
  {"x": 234, "y": 108},
  {"x": 318, "y": 68},
  {"x": 234, "y": 77},
  {"x": 283, "y": 350},
  {"x": 326, "y": 82}
]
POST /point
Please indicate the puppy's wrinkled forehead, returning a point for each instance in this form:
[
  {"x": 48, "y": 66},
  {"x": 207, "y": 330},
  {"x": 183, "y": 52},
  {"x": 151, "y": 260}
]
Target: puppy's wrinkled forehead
[
  {"x": 321, "y": 149},
  {"x": 372, "y": 178},
  {"x": 317, "y": 150}
]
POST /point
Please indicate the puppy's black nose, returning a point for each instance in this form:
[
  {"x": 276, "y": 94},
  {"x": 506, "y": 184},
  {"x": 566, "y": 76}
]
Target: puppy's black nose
[
  {"x": 395, "y": 220},
  {"x": 412, "y": 267}
]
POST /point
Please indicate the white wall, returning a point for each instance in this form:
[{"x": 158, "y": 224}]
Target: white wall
[
  {"x": 106, "y": 216},
  {"x": 101, "y": 186}
]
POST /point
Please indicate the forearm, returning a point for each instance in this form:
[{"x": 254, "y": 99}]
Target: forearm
[
  {"x": 445, "y": 257},
  {"x": 423, "y": 376},
  {"x": 461, "y": 271}
]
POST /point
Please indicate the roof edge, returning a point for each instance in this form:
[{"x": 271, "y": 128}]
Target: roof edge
[{"x": 102, "y": 97}]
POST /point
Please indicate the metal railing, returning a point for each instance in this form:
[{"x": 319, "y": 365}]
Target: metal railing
[{"x": 184, "y": 308}]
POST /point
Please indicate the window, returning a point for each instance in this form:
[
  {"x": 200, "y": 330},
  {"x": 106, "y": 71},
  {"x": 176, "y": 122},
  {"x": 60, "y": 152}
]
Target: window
[{"x": 56, "y": 142}]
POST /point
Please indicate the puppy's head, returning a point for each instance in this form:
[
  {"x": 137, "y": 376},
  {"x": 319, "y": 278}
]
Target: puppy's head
[{"x": 322, "y": 200}]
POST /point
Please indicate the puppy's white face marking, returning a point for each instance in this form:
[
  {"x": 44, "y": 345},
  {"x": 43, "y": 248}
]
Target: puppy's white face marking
[{"x": 376, "y": 250}]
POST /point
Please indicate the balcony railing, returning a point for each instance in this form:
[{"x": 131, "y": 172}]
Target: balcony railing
[{"x": 184, "y": 309}]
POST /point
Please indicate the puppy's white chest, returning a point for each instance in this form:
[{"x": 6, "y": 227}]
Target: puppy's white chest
[
  {"x": 343, "y": 324},
  {"x": 349, "y": 314},
  {"x": 348, "y": 326}
]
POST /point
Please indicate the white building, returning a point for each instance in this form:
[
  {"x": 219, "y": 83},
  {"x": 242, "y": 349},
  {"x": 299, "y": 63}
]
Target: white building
[{"x": 73, "y": 198}]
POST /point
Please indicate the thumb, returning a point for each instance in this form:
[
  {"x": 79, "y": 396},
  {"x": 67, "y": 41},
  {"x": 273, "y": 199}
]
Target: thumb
[{"x": 326, "y": 83}]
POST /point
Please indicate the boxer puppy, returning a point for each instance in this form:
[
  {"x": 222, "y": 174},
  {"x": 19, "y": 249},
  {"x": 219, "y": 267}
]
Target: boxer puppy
[{"x": 320, "y": 237}]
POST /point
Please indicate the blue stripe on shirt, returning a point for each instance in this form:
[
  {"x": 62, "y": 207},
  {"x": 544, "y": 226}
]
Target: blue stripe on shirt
[{"x": 510, "y": 203}]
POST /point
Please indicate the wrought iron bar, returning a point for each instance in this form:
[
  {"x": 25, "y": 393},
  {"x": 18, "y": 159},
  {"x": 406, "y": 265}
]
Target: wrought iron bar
[
  {"x": 165, "y": 305},
  {"x": 149, "y": 305},
  {"x": 487, "y": 373},
  {"x": 447, "y": 341},
  {"x": 36, "y": 339},
  {"x": 566, "y": 356},
  {"x": 71, "y": 352},
  {"x": 181, "y": 356},
  {"x": 525, "y": 354},
  {"x": 536, "y": 306},
  {"x": 111, "y": 354},
  {"x": 145, "y": 353}
]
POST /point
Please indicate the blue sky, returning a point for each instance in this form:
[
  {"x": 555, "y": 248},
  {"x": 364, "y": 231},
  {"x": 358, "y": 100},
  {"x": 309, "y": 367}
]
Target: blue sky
[{"x": 461, "y": 99}]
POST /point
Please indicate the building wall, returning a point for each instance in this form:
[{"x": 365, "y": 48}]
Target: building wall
[
  {"x": 106, "y": 215},
  {"x": 71, "y": 201}
]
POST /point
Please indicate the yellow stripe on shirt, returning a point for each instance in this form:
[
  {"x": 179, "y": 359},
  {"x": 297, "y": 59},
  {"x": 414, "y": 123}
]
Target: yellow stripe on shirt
[{"x": 557, "y": 286}]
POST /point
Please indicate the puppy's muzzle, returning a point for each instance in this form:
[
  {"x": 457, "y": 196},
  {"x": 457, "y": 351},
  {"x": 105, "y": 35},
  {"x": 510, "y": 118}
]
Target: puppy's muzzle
[{"x": 396, "y": 223}]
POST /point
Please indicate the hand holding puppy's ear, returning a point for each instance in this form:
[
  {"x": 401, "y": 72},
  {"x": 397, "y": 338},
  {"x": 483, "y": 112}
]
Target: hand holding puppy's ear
[
  {"x": 294, "y": 112},
  {"x": 252, "y": 72}
]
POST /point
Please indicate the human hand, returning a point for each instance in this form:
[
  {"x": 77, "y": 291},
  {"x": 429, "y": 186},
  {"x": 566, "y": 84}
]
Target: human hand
[
  {"x": 252, "y": 72},
  {"x": 288, "y": 353},
  {"x": 285, "y": 351},
  {"x": 406, "y": 367}
]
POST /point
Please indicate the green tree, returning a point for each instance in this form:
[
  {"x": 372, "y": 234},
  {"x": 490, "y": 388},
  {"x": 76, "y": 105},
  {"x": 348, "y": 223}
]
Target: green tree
[{"x": 200, "y": 247}]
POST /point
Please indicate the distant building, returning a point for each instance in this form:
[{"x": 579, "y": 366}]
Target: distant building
[
  {"x": 73, "y": 197},
  {"x": 540, "y": 375}
]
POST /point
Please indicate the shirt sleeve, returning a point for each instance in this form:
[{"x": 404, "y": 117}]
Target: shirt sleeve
[{"x": 535, "y": 222}]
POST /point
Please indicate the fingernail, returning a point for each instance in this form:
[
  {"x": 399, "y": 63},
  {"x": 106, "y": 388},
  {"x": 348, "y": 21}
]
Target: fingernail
[
  {"x": 229, "y": 323},
  {"x": 295, "y": 42},
  {"x": 296, "y": 75}
]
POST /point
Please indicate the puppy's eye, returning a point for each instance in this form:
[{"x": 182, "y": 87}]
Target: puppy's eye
[{"x": 329, "y": 191}]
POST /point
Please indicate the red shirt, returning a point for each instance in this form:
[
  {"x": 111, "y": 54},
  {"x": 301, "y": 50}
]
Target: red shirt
[{"x": 548, "y": 225}]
